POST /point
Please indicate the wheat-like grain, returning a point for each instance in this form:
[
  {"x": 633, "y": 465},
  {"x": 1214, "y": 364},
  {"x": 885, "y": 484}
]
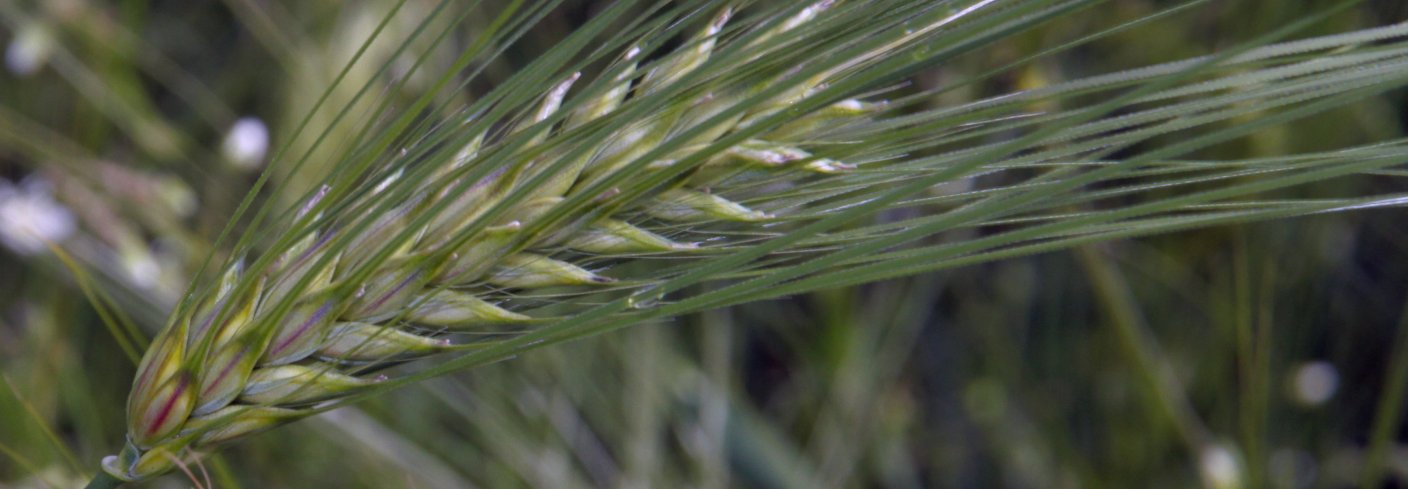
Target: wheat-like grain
[{"x": 265, "y": 345}]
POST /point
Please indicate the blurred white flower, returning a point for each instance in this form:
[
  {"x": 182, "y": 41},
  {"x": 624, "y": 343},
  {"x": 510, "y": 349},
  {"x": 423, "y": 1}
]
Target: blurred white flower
[
  {"x": 30, "y": 218},
  {"x": 141, "y": 267},
  {"x": 246, "y": 143},
  {"x": 1220, "y": 467},
  {"x": 29, "y": 50},
  {"x": 1314, "y": 383}
]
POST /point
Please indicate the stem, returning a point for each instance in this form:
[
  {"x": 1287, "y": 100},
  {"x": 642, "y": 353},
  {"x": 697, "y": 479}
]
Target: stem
[
  {"x": 1386, "y": 418},
  {"x": 1160, "y": 382},
  {"x": 104, "y": 480}
]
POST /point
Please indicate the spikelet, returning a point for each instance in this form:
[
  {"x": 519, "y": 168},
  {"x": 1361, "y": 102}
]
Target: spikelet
[{"x": 267, "y": 344}]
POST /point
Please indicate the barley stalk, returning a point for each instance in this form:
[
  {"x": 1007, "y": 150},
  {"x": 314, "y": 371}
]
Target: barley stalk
[{"x": 388, "y": 278}]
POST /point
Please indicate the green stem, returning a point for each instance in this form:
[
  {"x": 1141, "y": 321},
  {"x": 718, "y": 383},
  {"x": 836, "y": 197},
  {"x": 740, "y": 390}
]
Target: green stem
[
  {"x": 1162, "y": 386},
  {"x": 1386, "y": 417},
  {"x": 104, "y": 480}
]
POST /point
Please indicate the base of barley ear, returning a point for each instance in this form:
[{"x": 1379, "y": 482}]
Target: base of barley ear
[{"x": 104, "y": 480}]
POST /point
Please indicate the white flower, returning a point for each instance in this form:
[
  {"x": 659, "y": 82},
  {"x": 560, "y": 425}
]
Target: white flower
[
  {"x": 30, "y": 218},
  {"x": 29, "y": 50},
  {"x": 246, "y": 143},
  {"x": 1220, "y": 467},
  {"x": 1314, "y": 383}
]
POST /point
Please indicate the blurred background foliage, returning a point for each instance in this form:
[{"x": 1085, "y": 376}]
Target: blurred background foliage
[{"x": 130, "y": 129}]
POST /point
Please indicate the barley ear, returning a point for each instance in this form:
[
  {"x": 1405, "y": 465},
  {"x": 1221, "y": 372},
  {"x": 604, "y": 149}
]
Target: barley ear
[{"x": 392, "y": 276}]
